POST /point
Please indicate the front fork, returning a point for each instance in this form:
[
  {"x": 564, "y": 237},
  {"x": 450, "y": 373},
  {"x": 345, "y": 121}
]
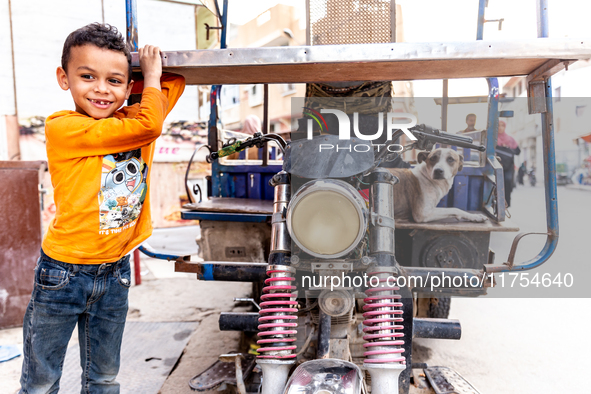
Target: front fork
[
  {"x": 278, "y": 313},
  {"x": 387, "y": 354},
  {"x": 384, "y": 311}
]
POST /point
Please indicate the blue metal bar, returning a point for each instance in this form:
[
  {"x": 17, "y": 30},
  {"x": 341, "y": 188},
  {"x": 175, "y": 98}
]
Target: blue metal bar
[
  {"x": 491, "y": 171},
  {"x": 213, "y": 116},
  {"x": 480, "y": 26},
  {"x": 132, "y": 33},
  {"x": 145, "y": 249},
  {"x": 542, "y": 11},
  {"x": 549, "y": 161},
  {"x": 227, "y": 217},
  {"x": 549, "y": 166},
  {"x": 224, "y": 21},
  {"x": 227, "y": 271},
  {"x": 492, "y": 123}
]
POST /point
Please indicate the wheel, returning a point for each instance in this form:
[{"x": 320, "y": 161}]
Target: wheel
[{"x": 439, "y": 307}]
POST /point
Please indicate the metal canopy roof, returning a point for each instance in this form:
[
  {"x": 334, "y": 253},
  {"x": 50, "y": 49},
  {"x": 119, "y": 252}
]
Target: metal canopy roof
[{"x": 375, "y": 62}]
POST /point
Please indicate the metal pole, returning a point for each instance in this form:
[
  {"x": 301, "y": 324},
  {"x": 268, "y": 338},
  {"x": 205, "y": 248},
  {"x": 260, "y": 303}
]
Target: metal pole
[
  {"x": 12, "y": 58},
  {"x": 265, "y": 122},
  {"x": 132, "y": 34},
  {"x": 549, "y": 158},
  {"x": 480, "y": 22},
  {"x": 212, "y": 137},
  {"x": 549, "y": 162},
  {"x": 491, "y": 131},
  {"x": 324, "y": 329},
  {"x": 131, "y": 38},
  {"x": 308, "y": 40},
  {"x": 392, "y": 21},
  {"x": 12, "y": 129},
  {"x": 103, "y": 10},
  {"x": 224, "y": 25},
  {"x": 542, "y": 22},
  {"x": 444, "y": 102},
  {"x": 136, "y": 267}
]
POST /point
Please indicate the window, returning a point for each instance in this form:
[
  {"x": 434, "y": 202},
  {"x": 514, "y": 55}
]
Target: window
[
  {"x": 288, "y": 88},
  {"x": 230, "y": 96},
  {"x": 255, "y": 95}
]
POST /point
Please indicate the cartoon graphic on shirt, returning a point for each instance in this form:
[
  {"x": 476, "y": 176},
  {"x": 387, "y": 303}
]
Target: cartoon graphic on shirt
[{"x": 123, "y": 189}]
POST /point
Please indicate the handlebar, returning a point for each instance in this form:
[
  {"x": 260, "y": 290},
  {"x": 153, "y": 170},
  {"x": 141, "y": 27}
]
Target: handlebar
[
  {"x": 228, "y": 150},
  {"x": 258, "y": 139},
  {"x": 427, "y": 136}
]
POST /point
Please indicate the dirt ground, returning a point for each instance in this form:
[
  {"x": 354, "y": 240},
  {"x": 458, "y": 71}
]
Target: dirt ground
[
  {"x": 185, "y": 299},
  {"x": 165, "y": 296}
]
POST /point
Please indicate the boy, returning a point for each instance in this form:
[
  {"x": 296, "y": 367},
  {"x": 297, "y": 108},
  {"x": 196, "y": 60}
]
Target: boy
[{"x": 99, "y": 160}]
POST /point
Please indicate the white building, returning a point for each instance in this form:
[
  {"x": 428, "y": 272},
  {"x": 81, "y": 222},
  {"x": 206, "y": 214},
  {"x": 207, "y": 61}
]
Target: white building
[
  {"x": 40, "y": 27},
  {"x": 572, "y": 118}
]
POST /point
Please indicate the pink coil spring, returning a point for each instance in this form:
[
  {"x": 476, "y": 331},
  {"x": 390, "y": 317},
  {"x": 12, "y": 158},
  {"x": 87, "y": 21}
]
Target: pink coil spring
[
  {"x": 277, "y": 317},
  {"x": 382, "y": 313}
]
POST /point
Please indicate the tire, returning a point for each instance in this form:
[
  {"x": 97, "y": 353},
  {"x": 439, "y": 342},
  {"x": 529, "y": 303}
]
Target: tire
[{"x": 439, "y": 308}]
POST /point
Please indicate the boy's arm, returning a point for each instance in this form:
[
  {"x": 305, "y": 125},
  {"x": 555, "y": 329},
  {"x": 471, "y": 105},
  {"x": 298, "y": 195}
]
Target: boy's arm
[
  {"x": 78, "y": 136},
  {"x": 172, "y": 86}
]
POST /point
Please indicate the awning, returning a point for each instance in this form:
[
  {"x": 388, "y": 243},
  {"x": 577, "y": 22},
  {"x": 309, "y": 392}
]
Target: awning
[{"x": 586, "y": 138}]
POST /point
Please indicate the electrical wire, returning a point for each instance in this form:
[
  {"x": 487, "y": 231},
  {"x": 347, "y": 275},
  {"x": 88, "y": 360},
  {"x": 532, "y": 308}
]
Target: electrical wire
[{"x": 189, "y": 195}]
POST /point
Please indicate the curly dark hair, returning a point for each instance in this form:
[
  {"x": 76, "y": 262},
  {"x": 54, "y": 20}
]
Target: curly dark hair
[{"x": 101, "y": 35}]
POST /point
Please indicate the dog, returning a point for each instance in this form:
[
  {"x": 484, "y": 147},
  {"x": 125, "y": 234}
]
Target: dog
[{"x": 422, "y": 187}]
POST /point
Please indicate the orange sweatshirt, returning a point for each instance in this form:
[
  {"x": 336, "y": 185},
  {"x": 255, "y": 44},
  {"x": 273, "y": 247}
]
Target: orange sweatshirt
[{"x": 100, "y": 174}]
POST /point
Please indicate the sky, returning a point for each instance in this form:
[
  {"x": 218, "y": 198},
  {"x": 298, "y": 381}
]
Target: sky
[{"x": 456, "y": 20}]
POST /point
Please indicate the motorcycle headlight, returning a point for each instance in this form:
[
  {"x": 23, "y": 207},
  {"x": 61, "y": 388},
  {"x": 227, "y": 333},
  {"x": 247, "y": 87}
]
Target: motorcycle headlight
[
  {"x": 328, "y": 376},
  {"x": 327, "y": 218}
]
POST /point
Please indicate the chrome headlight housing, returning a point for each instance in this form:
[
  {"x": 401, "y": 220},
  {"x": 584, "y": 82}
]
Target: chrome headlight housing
[
  {"x": 327, "y": 376},
  {"x": 327, "y": 218}
]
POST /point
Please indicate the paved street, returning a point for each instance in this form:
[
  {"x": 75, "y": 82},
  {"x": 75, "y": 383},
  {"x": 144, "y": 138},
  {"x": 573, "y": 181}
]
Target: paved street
[
  {"x": 509, "y": 345},
  {"x": 527, "y": 345}
]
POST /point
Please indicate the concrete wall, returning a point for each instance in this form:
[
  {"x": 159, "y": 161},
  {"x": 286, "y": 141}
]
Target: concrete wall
[
  {"x": 572, "y": 118},
  {"x": 40, "y": 28}
]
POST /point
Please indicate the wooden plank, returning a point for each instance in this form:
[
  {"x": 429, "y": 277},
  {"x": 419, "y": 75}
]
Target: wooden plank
[
  {"x": 454, "y": 225},
  {"x": 371, "y": 62},
  {"x": 355, "y": 71},
  {"x": 232, "y": 205}
]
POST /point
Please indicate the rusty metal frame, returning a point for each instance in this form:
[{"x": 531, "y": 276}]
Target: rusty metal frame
[{"x": 543, "y": 73}]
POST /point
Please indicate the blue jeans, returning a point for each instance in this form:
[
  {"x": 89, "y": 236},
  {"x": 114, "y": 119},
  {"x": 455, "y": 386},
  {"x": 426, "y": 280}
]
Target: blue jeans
[{"x": 95, "y": 297}]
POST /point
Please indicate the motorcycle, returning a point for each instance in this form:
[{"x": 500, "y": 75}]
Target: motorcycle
[
  {"x": 531, "y": 174},
  {"x": 333, "y": 288}
]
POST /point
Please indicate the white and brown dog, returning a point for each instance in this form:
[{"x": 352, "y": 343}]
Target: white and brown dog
[{"x": 422, "y": 187}]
